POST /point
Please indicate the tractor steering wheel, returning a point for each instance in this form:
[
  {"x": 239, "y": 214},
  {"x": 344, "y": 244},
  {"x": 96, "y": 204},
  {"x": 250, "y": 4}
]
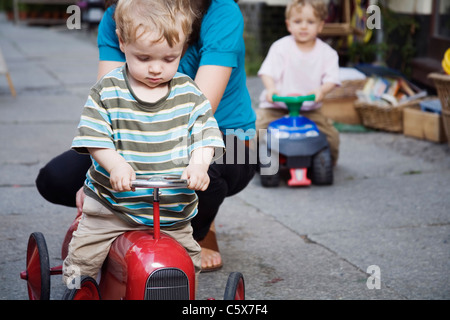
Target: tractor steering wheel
[{"x": 160, "y": 181}]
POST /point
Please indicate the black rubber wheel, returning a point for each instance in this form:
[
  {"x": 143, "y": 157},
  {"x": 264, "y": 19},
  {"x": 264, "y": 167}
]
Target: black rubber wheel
[
  {"x": 269, "y": 177},
  {"x": 322, "y": 168},
  {"x": 38, "y": 268},
  {"x": 270, "y": 181},
  {"x": 88, "y": 290},
  {"x": 235, "y": 288}
]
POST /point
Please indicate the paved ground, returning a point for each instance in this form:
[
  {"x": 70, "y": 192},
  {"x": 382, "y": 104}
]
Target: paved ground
[{"x": 389, "y": 206}]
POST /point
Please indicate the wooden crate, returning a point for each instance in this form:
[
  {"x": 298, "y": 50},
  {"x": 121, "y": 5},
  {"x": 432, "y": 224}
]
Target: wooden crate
[
  {"x": 341, "y": 110},
  {"x": 442, "y": 82},
  {"x": 423, "y": 125},
  {"x": 339, "y": 104}
]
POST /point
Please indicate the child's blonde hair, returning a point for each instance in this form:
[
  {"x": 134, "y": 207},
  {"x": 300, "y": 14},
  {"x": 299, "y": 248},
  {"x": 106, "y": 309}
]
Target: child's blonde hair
[
  {"x": 166, "y": 17},
  {"x": 319, "y": 6}
]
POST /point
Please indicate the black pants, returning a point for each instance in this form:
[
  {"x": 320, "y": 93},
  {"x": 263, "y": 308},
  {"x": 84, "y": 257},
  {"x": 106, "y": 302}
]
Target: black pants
[{"x": 59, "y": 181}]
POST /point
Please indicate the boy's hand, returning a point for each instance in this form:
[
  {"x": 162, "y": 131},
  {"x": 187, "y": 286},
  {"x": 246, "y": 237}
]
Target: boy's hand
[
  {"x": 269, "y": 85},
  {"x": 120, "y": 172},
  {"x": 270, "y": 94},
  {"x": 121, "y": 177},
  {"x": 197, "y": 174},
  {"x": 319, "y": 95},
  {"x": 197, "y": 170},
  {"x": 323, "y": 91}
]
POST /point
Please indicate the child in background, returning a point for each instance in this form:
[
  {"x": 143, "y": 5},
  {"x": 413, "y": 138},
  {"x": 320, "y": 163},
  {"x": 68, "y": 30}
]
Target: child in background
[
  {"x": 141, "y": 119},
  {"x": 301, "y": 64}
]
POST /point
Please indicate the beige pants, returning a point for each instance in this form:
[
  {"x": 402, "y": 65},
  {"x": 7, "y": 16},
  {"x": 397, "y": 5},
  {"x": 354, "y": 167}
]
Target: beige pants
[
  {"x": 97, "y": 230},
  {"x": 266, "y": 115}
]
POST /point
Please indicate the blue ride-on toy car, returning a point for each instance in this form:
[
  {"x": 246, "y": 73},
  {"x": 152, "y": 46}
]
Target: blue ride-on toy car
[{"x": 294, "y": 142}]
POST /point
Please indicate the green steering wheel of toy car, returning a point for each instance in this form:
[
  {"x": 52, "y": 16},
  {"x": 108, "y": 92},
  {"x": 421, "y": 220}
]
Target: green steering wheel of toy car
[{"x": 294, "y": 103}]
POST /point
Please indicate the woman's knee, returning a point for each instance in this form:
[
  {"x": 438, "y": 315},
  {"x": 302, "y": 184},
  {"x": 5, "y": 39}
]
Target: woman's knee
[
  {"x": 49, "y": 186},
  {"x": 60, "y": 179}
]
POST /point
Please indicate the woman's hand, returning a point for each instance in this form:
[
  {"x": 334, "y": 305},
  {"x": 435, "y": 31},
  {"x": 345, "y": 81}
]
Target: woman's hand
[{"x": 79, "y": 200}]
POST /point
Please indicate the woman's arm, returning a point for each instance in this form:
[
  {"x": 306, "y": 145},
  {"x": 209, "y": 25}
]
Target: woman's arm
[
  {"x": 106, "y": 66},
  {"x": 212, "y": 81}
]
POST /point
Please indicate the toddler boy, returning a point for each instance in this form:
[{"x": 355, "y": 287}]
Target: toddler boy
[{"x": 142, "y": 119}]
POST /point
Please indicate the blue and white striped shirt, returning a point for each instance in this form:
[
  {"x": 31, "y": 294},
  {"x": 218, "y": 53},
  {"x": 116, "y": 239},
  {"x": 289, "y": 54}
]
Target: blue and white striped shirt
[{"x": 154, "y": 138}]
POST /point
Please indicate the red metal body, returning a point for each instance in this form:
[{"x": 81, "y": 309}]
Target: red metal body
[
  {"x": 134, "y": 256},
  {"x": 140, "y": 265}
]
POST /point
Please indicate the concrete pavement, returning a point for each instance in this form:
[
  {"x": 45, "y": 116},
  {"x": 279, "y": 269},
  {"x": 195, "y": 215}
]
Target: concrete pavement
[{"x": 389, "y": 206}]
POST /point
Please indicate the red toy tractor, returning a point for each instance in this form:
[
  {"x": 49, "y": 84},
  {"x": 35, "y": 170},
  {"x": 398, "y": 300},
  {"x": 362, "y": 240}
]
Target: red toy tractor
[{"x": 141, "y": 265}]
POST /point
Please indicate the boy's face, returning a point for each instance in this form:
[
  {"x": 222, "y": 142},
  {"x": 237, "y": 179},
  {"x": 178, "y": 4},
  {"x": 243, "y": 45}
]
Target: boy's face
[
  {"x": 152, "y": 63},
  {"x": 304, "y": 25}
]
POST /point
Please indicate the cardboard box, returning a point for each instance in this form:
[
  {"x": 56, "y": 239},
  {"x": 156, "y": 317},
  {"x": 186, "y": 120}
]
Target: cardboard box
[
  {"x": 341, "y": 110},
  {"x": 338, "y": 105},
  {"x": 423, "y": 125}
]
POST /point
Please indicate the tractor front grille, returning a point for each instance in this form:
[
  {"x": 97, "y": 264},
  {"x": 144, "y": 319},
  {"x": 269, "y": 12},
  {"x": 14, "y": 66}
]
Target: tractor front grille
[{"x": 167, "y": 284}]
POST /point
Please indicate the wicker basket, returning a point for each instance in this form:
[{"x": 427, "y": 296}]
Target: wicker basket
[
  {"x": 347, "y": 89},
  {"x": 442, "y": 83},
  {"x": 378, "y": 116}
]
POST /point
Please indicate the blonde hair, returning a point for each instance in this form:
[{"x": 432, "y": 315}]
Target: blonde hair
[
  {"x": 163, "y": 17},
  {"x": 319, "y": 6}
]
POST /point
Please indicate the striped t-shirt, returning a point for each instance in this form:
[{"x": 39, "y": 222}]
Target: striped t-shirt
[{"x": 154, "y": 138}]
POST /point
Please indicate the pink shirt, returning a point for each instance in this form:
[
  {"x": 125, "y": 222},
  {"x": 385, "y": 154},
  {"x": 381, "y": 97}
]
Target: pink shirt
[{"x": 298, "y": 72}]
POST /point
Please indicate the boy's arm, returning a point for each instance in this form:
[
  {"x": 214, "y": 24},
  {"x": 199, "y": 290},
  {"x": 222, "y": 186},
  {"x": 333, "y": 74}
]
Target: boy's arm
[
  {"x": 269, "y": 84},
  {"x": 121, "y": 173},
  {"x": 197, "y": 170},
  {"x": 323, "y": 90}
]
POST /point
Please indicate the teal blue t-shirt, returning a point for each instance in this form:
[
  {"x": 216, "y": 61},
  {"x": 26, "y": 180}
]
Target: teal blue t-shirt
[{"x": 221, "y": 43}]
